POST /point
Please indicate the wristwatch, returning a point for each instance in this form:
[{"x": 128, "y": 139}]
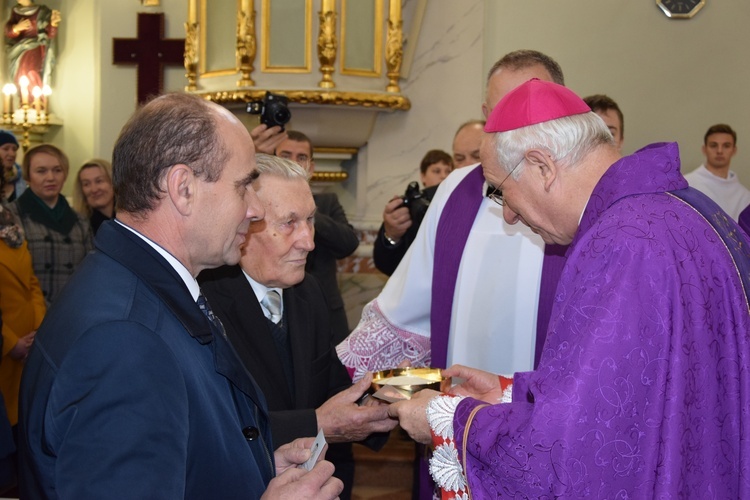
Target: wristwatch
[{"x": 390, "y": 240}]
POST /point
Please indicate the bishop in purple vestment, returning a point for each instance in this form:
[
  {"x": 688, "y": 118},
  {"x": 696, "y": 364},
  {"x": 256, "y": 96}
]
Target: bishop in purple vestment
[{"x": 643, "y": 389}]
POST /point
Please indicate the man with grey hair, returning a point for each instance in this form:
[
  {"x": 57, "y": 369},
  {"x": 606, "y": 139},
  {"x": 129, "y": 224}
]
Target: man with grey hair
[
  {"x": 642, "y": 386},
  {"x": 132, "y": 388},
  {"x": 277, "y": 317}
]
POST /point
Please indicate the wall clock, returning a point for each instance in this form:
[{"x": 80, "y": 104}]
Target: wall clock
[{"x": 680, "y": 9}]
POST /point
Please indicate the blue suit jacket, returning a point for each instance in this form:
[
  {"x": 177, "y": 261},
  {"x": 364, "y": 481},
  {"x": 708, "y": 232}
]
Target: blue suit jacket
[{"x": 129, "y": 393}]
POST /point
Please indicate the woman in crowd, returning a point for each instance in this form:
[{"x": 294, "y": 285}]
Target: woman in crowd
[
  {"x": 435, "y": 166},
  {"x": 21, "y": 305},
  {"x": 93, "y": 195},
  {"x": 58, "y": 237}
]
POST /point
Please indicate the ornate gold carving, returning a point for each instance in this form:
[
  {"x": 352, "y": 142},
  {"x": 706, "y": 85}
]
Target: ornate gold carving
[
  {"x": 246, "y": 44},
  {"x": 394, "y": 53},
  {"x": 327, "y": 46},
  {"x": 191, "y": 55},
  {"x": 329, "y": 176},
  {"x": 327, "y": 97}
]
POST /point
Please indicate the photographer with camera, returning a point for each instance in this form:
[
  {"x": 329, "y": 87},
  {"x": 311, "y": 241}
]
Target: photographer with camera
[
  {"x": 403, "y": 214},
  {"x": 274, "y": 114}
]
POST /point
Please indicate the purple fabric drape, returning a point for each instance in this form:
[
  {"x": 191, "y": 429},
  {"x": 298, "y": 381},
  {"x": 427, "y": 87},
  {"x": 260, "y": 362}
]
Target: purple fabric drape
[{"x": 452, "y": 232}]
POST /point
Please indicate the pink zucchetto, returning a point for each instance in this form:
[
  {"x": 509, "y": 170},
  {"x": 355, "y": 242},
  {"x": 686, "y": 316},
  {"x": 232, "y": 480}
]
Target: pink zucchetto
[{"x": 533, "y": 102}]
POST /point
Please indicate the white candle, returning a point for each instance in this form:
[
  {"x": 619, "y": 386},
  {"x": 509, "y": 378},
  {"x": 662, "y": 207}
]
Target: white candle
[
  {"x": 24, "y": 83},
  {"x": 8, "y": 90},
  {"x": 37, "y": 93},
  {"x": 46, "y": 92}
]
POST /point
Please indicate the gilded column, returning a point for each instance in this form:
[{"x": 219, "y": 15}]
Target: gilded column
[
  {"x": 191, "y": 46},
  {"x": 327, "y": 43},
  {"x": 246, "y": 43},
  {"x": 394, "y": 50}
]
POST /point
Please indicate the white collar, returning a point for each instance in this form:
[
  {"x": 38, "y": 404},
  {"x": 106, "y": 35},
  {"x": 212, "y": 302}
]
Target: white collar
[
  {"x": 261, "y": 290},
  {"x": 178, "y": 266}
]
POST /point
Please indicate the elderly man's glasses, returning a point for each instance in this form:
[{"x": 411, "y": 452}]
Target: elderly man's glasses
[{"x": 497, "y": 194}]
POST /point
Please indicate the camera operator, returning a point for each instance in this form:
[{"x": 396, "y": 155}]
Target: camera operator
[
  {"x": 274, "y": 114},
  {"x": 403, "y": 214}
]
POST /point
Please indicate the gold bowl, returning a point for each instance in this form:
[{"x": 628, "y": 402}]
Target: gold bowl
[{"x": 407, "y": 380}]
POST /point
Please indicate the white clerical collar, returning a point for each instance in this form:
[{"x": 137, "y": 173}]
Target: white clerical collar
[
  {"x": 261, "y": 291},
  {"x": 731, "y": 177},
  {"x": 580, "y": 217},
  {"x": 178, "y": 266}
]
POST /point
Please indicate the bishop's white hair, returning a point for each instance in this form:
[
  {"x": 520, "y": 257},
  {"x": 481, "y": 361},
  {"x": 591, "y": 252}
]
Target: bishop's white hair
[{"x": 567, "y": 140}]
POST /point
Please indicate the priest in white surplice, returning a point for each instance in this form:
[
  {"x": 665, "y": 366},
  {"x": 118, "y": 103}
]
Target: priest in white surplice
[
  {"x": 714, "y": 177},
  {"x": 442, "y": 289}
]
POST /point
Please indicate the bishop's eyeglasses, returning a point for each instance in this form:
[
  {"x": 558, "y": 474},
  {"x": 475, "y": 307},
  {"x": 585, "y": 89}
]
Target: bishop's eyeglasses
[{"x": 497, "y": 194}]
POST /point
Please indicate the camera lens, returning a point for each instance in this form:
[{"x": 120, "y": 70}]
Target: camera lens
[{"x": 281, "y": 115}]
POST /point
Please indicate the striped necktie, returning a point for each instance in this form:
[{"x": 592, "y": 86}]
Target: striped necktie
[
  {"x": 205, "y": 308},
  {"x": 272, "y": 303}
]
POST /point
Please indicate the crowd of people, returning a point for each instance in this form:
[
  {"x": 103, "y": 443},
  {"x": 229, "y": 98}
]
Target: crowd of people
[
  {"x": 43, "y": 242},
  {"x": 602, "y": 343}
]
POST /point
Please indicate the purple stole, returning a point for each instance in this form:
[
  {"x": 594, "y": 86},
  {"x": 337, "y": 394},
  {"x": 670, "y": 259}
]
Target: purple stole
[
  {"x": 744, "y": 220},
  {"x": 736, "y": 241},
  {"x": 450, "y": 240}
]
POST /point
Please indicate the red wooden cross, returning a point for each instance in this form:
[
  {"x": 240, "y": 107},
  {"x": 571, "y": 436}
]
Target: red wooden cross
[{"x": 149, "y": 52}]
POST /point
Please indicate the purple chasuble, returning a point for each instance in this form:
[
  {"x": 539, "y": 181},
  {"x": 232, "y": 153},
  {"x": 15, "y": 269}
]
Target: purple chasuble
[{"x": 642, "y": 390}]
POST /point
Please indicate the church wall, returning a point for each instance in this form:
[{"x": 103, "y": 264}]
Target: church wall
[
  {"x": 445, "y": 87},
  {"x": 118, "y": 82}
]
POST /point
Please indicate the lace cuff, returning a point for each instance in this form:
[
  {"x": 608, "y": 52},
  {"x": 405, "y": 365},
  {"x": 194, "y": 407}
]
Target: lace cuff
[
  {"x": 376, "y": 344},
  {"x": 445, "y": 466}
]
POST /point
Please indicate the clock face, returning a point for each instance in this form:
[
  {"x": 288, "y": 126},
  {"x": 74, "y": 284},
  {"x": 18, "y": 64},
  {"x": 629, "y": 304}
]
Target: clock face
[{"x": 680, "y": 9}]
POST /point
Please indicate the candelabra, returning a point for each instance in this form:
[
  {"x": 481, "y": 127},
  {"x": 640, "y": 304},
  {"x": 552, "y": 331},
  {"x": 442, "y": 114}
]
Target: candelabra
[{"x": 32, "y": 112}]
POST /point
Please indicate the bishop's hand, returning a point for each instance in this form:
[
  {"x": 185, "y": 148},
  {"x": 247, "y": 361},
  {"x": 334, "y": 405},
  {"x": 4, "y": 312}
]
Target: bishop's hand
[
  {"x": 478, "y": 384},
  {"x": 412, "y": 415}
]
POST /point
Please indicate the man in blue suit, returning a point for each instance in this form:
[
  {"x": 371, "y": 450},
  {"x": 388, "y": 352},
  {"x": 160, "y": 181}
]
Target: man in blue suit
[{"x": 133, "y": 389}]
